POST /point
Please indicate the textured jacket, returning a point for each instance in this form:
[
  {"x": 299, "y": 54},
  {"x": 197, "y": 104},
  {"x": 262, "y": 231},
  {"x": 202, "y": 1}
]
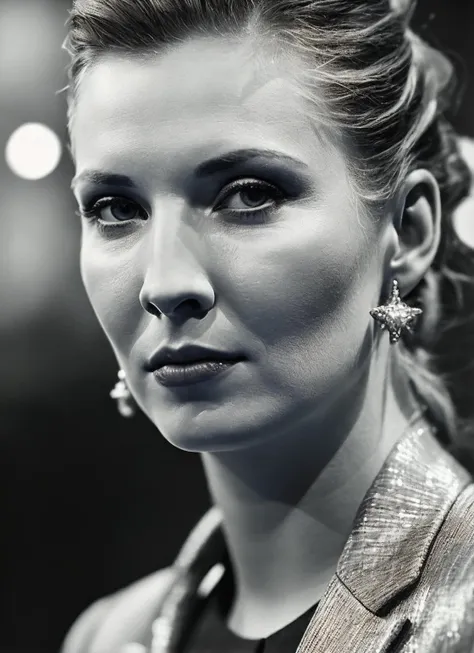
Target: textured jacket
[{"x": 404, "y": 582}]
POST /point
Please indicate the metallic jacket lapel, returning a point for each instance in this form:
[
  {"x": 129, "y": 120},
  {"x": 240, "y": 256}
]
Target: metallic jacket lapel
[
  {"x": 341, "y": 624},
  {"x": 387, "y": 549}
]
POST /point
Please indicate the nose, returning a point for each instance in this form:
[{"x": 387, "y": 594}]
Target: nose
[{"x": 176, "y": 285}]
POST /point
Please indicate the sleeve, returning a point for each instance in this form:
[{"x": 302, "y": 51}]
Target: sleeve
[
  {"x": 82, "y": 632},
  {"x": 121, "y": 619}
]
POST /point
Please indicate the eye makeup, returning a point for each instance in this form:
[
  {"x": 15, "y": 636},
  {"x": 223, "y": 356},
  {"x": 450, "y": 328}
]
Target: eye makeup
[
  {"x": 291, "y": 175},
  {"x": 275, "y": 175}
]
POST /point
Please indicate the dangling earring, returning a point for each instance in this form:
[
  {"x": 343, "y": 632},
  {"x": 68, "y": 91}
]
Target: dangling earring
[
  {"x": 395, "y": 315},
  {"x": 125, "y": 402}
]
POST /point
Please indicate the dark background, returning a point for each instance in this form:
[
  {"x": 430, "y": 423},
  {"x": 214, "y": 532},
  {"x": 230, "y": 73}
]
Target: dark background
[{"x": 89, "y": 501}]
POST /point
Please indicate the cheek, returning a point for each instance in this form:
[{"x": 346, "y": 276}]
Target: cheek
[
  {"x": 308, "y": 268},
  {"x": 112, "y": 284},
  {"x": 307, "y": 288}
]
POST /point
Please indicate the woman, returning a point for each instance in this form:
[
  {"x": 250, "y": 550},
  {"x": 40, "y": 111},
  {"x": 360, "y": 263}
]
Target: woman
[{"x": 288, "y": 181}]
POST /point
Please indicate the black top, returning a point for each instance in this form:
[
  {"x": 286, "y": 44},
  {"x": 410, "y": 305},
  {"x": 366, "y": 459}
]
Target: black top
[{"x": 211, "y": 634}]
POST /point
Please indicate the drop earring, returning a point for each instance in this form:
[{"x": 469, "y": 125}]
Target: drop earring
[
  {"x": 125, "y": 402},
  {"x": 395, "y": 315}
]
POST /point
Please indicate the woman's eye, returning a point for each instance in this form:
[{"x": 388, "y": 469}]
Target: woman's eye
[
  {"x": 113, "y": 210},
  {"x": 121, "y": 210},
  {"x": 248, "y": 200},
  {"x": 249, "y": 196}
]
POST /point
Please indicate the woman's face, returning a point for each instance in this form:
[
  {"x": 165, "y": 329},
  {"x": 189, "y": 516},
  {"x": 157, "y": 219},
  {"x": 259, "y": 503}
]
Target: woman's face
[{"x": 282, "y": 273}]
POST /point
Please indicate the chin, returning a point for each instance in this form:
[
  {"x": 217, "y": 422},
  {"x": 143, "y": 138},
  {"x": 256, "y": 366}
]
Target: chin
[{"x": 215, "y": 428}]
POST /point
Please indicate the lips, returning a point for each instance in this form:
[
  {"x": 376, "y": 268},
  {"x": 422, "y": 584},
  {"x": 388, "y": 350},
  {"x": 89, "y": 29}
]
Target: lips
[
  {"x": 187, "y": 354},
  {"x": 192, "y": 373},
  {"x": 194, "y": 363}
]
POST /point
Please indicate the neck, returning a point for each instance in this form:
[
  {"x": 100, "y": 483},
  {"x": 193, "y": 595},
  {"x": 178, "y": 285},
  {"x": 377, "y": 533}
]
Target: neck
[{"x": 288, "y": 505}]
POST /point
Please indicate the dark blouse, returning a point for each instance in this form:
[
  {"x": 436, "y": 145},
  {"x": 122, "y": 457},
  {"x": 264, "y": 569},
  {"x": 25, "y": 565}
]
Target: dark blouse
[{"x": 211, "y": 634}]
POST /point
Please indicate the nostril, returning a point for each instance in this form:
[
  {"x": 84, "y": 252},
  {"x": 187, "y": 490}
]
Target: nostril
[
  {"x": 186, "y": 309},
  {"x": 191, "y": 308},
  {"x": 152, "y": 309}
]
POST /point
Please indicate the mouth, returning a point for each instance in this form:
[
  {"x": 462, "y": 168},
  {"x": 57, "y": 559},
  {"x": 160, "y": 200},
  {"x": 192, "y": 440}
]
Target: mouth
[
  {"x": 191, "y": 372},
  {"x": 200, "y": 361},
  {"x": 189, "y": 363},
  {"x": 186, "y": 355}
]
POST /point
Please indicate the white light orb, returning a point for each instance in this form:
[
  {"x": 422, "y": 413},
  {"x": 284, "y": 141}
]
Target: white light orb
[
  {"x": 33, "y": 151},
  {"x": 463, "y": 217},
  {"x": 464, "y": 222}
]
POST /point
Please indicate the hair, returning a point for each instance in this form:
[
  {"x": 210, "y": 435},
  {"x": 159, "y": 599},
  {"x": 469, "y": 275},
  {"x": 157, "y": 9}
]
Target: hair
[{"x": 388, "y": 93}]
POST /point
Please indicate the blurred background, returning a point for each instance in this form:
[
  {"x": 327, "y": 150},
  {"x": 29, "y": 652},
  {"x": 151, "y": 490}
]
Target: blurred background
[{"x": 90, "y": 501}]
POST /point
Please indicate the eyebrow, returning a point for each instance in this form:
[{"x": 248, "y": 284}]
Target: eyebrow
[
  {"x": 102, "y": 178},
  {"x": 220, "y": 163},
  {"x": 233, "y": 159}
]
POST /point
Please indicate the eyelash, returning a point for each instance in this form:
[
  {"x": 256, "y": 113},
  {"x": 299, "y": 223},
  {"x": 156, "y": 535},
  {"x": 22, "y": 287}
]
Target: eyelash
[{"x": 92, "y": 210}]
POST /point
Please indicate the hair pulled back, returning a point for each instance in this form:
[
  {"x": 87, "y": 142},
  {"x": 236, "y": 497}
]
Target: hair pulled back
[{"x": 385, "y": 88}]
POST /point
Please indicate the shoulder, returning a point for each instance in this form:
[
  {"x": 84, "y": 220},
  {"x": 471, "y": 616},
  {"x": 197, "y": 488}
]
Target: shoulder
[
  {"x": 450, "y": 562},
  {"x": 458, "y": 527},
  {"x": 442, "y": 603},
  {"x": 454, "y": 542},
  {"x": 121, "y": 618},
  {"x": 127, "y": 616}
]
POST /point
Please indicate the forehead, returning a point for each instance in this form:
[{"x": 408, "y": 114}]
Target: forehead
[{"x": 190, "y": 99}]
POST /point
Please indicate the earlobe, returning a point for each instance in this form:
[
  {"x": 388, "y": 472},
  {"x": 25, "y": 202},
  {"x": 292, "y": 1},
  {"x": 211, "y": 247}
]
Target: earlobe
[{"x": 418, "y": 225}]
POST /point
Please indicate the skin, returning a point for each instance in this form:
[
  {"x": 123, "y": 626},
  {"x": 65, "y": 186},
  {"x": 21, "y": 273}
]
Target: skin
[{"x": 291, "y": 438}]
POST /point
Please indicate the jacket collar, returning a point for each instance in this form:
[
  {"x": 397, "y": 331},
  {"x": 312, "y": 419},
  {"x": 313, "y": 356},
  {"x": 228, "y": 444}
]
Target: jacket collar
[
  {"x": 399, "y": 518},
  {"x": 394, "y": 529}
]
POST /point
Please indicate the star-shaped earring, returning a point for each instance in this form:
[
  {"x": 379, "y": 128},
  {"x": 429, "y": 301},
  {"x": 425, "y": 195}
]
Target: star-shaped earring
[{"x": 395, "y": 315}]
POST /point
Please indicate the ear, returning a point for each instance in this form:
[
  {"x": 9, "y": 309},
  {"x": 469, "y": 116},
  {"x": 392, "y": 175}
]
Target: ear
[{"x": 416, "y": 227}]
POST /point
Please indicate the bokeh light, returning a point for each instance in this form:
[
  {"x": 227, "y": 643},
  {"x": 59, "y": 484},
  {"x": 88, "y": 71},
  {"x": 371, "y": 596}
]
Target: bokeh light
[
  {"x": 464, "y": 215},
  {"x": 33, "y": 151}
]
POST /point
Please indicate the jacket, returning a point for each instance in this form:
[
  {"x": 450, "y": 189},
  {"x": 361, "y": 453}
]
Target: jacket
[{"x": 404, "y": 582}]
